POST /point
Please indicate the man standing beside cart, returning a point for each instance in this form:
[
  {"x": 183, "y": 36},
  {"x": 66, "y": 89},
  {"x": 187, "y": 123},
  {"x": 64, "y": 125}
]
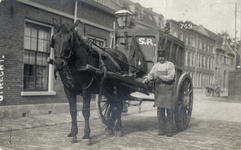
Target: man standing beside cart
[{"x": 163, "y": 74}]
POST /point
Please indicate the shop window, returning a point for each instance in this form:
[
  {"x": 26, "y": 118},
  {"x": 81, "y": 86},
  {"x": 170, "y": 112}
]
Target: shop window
[{"x": 37, "y": 75}]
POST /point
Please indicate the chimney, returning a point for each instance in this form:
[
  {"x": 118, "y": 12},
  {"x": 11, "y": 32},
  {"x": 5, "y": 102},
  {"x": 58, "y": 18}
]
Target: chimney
[
  {"x": 149, "y": 9},
  {"x": 224, "y": 39}
]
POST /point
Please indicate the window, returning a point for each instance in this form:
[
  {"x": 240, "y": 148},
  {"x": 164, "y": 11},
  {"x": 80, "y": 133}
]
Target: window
[
  {"x": 222, "y": 59},
  {"x": 36, "y": 51},
  {"x": 180, "y": 35},
  {"x": 193, "y": 41},
  {"x": 97, "y": 41},
  {"x": 202, "y": 62},
  {"x": 227, "y": 61},
  {"x": 37, "y": 73},
  {"x": 203, "y": 44},
  {"x": 199, "y": 44},
  {"x": 184, "y": 37},
  {"x": 211, "y": 48},
  {"x": 175, "y": 31},
  {"x": 209, "y": 66},
  {"x": 205, "y": 62},
  {"x": 207, "y": 46},
  {"x": 193, "y": 59},
  {"x": 231, "y": 62},
  {"x": 189, "y": 39},
  {"x": 188, "y": 57}
]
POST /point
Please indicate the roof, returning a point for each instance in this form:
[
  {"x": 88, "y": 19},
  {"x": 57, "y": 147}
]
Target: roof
[
  {"x": 220, "y": 41},
  {"x": 196, "y": 29}
]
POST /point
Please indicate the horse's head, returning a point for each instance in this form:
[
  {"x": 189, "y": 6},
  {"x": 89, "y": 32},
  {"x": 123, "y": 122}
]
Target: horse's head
[{"x": 62, "y": 42}]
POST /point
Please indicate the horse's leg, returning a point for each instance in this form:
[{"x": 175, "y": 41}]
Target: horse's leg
[
  {"x": 111, "y": 124},
  {"x": 118, "y": 127},
  {"x": 86, "y": 113},
  {"x": 73, "y": 112},
  {"x": 116, "y": 110}
]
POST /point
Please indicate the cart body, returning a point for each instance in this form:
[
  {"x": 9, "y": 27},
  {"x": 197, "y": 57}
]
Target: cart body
[{"x": 147, "y": 42}]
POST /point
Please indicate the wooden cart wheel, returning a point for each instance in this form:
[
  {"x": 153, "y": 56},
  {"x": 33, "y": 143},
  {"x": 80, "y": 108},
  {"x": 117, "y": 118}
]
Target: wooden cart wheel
[
  {"x": 208, "y": 92},
  {"x": 103, "y": 108},
  {"x": 184, "y": 103}
]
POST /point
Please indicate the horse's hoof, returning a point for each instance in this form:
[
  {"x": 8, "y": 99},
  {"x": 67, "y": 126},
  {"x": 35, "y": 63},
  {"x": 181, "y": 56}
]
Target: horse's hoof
[
  {"x": 74, "y": 139},
  {"x": 108, "y": 132},
  {"x": 69, "y": 135},
  {"x": 87, "y": 142},
  {"x": 119, "y": 133}
]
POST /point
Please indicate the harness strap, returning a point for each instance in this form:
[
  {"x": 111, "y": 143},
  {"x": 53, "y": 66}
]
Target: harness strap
[{"x": 102, "y": 53}]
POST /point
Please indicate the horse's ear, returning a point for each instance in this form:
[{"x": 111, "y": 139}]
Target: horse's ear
[
  {"x": 55, "y": 23},
  {"x": 75, "y": 24}
]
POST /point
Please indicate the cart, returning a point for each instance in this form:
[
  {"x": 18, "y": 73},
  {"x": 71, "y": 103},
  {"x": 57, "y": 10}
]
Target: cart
[
  {"x": 147, "y": 42},
  {"x": 212, "y": 89}
]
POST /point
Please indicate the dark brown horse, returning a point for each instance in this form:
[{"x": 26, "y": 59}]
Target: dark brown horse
[{"x": 72, "y": 53}]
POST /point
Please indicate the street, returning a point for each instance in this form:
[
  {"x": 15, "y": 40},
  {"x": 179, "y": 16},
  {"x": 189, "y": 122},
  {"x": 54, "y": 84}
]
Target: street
[{"x": 215, "y": 124}]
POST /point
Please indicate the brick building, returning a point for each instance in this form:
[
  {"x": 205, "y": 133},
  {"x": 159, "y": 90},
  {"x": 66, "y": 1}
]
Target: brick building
[
  {"x": 27, "y": 84},
  {"x": 25, "y": 33}
]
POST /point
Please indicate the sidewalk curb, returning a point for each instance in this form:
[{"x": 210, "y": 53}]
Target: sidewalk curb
[
  {"x": 8, "y": 125},
  {"x": 28, "y": 122}
]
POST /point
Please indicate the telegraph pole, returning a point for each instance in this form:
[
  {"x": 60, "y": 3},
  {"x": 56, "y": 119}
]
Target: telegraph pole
[{"x": 235, "y": 45}]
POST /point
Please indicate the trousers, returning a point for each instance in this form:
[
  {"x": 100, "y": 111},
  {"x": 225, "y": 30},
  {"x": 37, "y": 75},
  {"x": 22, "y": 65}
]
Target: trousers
[{"x": 165, "y": 122}]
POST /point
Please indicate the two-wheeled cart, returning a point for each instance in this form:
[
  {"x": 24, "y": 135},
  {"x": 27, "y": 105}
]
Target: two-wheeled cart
[{"x": 147, "y": 42}]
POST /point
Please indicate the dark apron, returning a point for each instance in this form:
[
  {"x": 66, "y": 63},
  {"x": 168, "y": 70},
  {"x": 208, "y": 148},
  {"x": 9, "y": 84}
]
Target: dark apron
[{"x": 164, "y": 93}]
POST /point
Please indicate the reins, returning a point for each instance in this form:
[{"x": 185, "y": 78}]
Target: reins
[{"x": 119, "y": 59}]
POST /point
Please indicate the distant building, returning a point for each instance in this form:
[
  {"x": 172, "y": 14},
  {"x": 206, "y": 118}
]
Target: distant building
[
  {"x": 199, "y": 52},
  {"x": 225, "y": 60},
  {"x": 145, "y": 17}
]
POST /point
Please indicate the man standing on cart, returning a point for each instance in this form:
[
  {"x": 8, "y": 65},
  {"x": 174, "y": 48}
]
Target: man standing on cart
[{"x": 163, "y": 74}]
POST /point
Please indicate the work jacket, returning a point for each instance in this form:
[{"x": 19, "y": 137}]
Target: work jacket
[{"x": 164, "y": 89}]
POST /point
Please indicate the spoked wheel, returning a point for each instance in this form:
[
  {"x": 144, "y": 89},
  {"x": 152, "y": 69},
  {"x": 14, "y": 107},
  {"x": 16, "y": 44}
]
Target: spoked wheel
[
  {"x": 184, "y": 103},
  {"x": 103, "y": 109},
  {"x": 208, "y": 92}
]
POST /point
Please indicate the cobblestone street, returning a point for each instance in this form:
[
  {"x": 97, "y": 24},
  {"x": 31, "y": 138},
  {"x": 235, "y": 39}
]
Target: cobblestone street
[{"x": 214, "y": 125}]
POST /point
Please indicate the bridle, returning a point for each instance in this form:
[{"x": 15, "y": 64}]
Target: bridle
[
  {"x": 70, "y": 49},
  {"x": 67, "y": 58}
]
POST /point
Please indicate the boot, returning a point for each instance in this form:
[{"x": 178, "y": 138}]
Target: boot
[{"x": 161, "y": 121}]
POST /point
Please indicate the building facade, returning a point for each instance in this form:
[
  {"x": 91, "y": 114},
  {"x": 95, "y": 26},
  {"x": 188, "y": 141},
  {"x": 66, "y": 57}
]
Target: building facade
[
  {"x": 199, "y": 52},
  {"x": 225, "y": 60},
  {"x": 26, "y": 31}
]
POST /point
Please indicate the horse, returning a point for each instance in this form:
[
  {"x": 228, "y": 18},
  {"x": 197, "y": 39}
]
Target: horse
[{"x": 72, "y": 52}]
